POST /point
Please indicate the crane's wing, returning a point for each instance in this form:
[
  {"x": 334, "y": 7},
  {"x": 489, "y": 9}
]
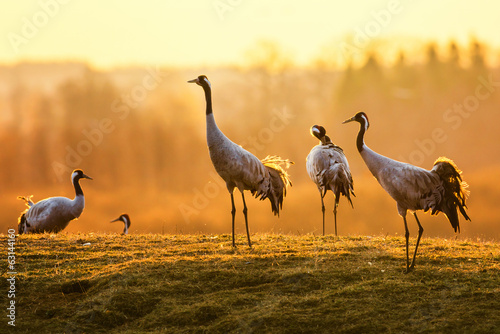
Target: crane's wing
[
  {"x": 247, "y": 171},
  {"x": 236, "y": 166},
  {"x": 40, "y": 211},
  {"x": 413, "y": 188},
  {"x": 318, "y": 160},
  {"x": 50, "y": 214},
  {"x": 327, "y": 166}
]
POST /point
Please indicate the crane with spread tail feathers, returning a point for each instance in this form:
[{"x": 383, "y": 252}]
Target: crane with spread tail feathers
[
  {"x": 440, "y": 189},
  {"x": 328, "y": 168},
  {"x": 240, "y": 169}
]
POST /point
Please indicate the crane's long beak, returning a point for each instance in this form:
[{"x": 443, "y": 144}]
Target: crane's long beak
[
  {"x": 348, "y": 120},
  {"x": 87, "y": 177},
  {"x": 117, "y": 219},
  {"x": 194, "y": 81}
]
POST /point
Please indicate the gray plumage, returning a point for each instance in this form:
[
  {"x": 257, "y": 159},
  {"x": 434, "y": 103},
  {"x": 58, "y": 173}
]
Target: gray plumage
[
  {"x": 328, "y": 168},
  {"x": 240, "y": 168},
  {"x": 53, "y": 214},
  {"x": 440, "y": 189},
  {"x": 126, "y": 222}
]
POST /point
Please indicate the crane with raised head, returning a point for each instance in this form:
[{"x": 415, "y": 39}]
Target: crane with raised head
[
  {"x": 266, "y": 178},
  {"x": 440, "y": 189}
]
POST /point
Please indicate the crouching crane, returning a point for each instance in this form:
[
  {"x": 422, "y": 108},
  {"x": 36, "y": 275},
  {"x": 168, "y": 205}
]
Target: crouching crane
[{"x": 53, "y": 214}]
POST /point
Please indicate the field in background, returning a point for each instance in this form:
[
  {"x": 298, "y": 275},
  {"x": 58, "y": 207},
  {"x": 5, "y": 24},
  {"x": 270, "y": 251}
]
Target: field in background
[
  {"x": 109, "y": 283},
  {"x": 140, "y": 133}
]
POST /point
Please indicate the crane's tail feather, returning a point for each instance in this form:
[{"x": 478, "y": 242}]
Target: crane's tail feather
[
  {"x": 279, "y": 181},
  {"x": 27, "y": 199},
  {"x": 339, "y": 180},
  {"x": 455, "y": 191},
  {"x": 22, "y": 222}
]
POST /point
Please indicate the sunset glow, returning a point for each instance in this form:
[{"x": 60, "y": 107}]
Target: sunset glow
[
  {"x": 102, "y": 86},
  {"x": 219, "y": 32}
]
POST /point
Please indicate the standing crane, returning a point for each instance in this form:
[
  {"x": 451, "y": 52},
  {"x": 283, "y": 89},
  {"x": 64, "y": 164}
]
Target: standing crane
[
  {"x": 328, "y": 168},
  {"x": 126, "y": 222},
  {"x": 440, "y": 189},
  {"x": 53, "y": 214},
  {"x": 241, "y": 169}
]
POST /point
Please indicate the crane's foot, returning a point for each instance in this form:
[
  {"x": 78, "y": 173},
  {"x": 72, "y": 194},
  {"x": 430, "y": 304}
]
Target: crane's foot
[{"x": 409, "y": 270}]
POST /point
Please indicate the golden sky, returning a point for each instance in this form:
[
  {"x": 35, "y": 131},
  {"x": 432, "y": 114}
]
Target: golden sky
[{"x": 212, "y": 32}]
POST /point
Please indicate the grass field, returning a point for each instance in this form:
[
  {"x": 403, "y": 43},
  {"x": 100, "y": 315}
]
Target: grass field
[{"x": 88, "y": 283}]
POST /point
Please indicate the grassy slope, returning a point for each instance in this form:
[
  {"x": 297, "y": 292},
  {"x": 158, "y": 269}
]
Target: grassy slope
[{"x": 148, "y": 283}]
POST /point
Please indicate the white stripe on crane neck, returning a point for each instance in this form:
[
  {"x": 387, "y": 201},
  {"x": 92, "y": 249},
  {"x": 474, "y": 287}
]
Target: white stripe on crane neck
[
  {"x": 367, "y": 124},
  {"x": 208, "y": 82}
]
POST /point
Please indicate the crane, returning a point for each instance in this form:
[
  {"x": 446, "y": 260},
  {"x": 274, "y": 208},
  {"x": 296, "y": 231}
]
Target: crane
[
  {"x": 440, "y": 189},
  {"x": 53, "y": 214},
  {"x": 126, "y": 222},
  {"x": 328, "y": 168},
  {"x": 266, "y": 178}
]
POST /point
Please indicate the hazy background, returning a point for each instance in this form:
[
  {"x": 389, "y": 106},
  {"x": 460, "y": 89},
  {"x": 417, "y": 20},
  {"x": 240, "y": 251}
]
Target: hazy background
[{"x": 102, "y": 87}]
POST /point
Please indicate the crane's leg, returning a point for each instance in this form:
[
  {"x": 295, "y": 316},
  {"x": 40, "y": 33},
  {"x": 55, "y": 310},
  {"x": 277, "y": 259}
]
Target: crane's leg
[
  {"x": 245, "y": 210},
  {"x": 323, "y": 209},
  {"x": 420, "y": 232},
  {"x": 407, "y": 236},
  {"x": 233, "y": 214},
  {"x": 335, "y": 212}
]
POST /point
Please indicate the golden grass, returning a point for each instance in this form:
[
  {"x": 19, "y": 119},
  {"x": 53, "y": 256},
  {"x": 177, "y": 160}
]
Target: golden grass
[{"x": 285, "y": 284}]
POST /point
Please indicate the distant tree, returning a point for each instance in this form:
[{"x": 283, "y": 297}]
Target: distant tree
[
  {"x": 405, "y": 79},
  {"x": 454, "y": 54},
  {"x": 455, "y": 73},
  {"x": 372, "y": 64},
  {"x": 269, "y": 56},
  {"x": 435, "y": 75},
  {"x": 477, "y": 55},
  {"x": 367, "y": 84},
  {"x": 433, "y": 61}
]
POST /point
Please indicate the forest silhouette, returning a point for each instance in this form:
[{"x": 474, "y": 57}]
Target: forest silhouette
[{"x": 140, "y": 133}]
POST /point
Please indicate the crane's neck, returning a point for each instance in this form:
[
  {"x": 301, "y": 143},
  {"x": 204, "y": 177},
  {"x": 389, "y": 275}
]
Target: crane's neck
[
  {"x": 79, "y": 200},
  {"x": 215, "y": 137},
  {"x": 78, "y": 188},
  {"x": 208, "y": 98},
  {"x": 360, "y": 140},
  {"x": 373, "y": 160}
]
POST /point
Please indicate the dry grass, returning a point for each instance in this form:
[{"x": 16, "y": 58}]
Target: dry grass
[{"x": 285, "y": 284}]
